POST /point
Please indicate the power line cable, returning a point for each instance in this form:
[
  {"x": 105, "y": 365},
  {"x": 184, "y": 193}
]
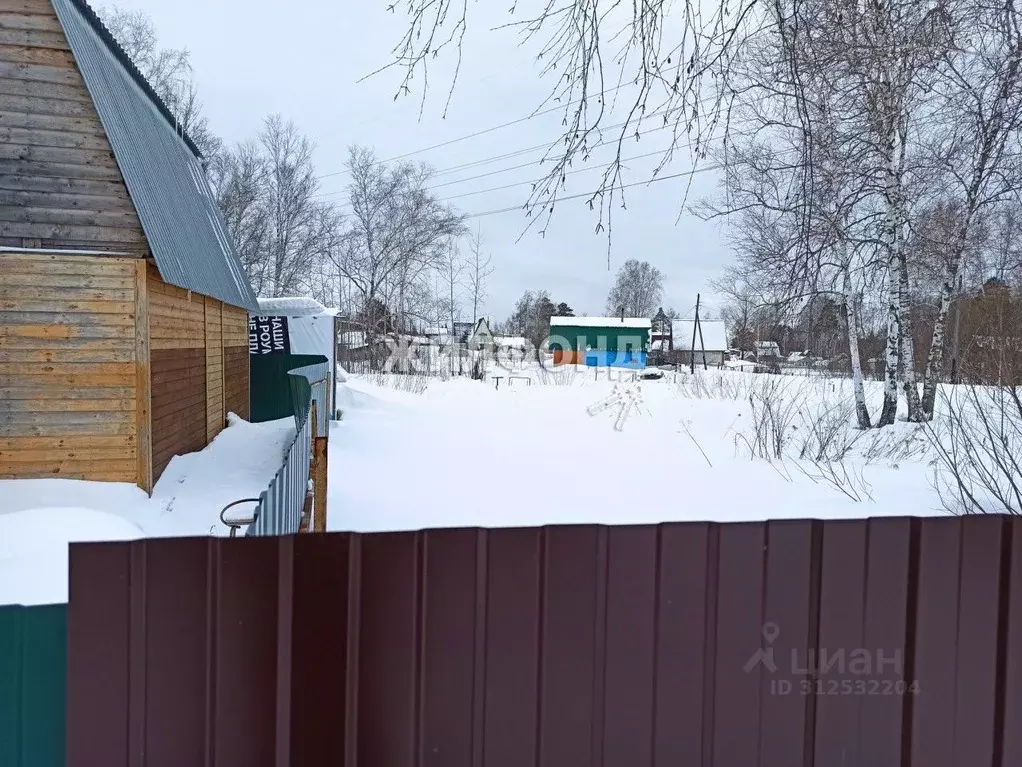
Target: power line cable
[
  {"x": 602, "y": 95},
  {"x": 595, "y": 192},
  {"x": 548, "y": 145},
  {"x": 678, "y": 147},
  {"x": 346, "y": 205}
]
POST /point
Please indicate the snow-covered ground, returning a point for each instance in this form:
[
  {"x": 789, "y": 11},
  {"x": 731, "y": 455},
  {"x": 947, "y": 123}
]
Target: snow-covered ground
[
  {"x": 412, "y": 453},
  {"x": 39, "y": 517}
]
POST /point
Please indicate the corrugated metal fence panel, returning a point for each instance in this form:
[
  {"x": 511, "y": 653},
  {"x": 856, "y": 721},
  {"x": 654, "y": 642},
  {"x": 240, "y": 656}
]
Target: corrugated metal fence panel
[
  {"x": 33, "y": 647},
  {"x": 174, "y": 653},
  {"x": 721, "y": 645}
]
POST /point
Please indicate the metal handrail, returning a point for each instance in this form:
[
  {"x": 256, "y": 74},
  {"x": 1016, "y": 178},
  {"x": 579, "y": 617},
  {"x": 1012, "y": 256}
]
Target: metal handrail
[{"x": 236, "y": 525}]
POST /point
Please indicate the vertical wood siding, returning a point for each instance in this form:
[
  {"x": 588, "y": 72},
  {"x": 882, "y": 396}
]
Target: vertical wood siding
[
  {"x": 60, "y": 186},
  {"x": 177, "y": 334},
  {"x": 236, "y": 372},
  {"x": 215, "y": 415},
  {"x": 67, "y": 367}
]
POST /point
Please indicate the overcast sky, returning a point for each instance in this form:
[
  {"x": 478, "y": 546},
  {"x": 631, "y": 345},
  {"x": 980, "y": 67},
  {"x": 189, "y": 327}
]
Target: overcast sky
[{"x": 304, "y": 59}]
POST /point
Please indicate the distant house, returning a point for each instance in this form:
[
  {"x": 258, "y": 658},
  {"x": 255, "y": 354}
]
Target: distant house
[
  {"x": 458, "y": 332},
  {"x": 481, "y": 337},
  {"x": 124, "y": 324},
  {"x": 768, "y": 350},
  {"x": 600, "y": 341},
  {"x": 710, "y": 338},
  {"x": 517, "y": 345}
]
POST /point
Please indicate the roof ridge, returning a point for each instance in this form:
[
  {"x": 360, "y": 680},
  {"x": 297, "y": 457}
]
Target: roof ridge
[{"x": 115, "y": 47}]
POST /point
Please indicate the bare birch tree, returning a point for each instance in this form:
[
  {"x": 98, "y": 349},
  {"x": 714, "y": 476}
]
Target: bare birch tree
[
  {"x": 396, "y": 234},
  {"x": 617, "y": 72},
  {"x": 238, "y": 176},
  {"x": 479, "y": 269},
  {"x": 168, "y": 71},
  {"x": 452, "y": 273},
  {"x": 977, "y": 150},
  {"x": 637, "y": 290},
  {"x": 300, "y": 228}
]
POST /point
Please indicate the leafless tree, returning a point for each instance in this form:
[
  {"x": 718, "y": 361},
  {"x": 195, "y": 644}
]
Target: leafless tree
[
  {"x": 617, "y": 72},
  {"x": 637, "y": 290},
  {"x": 1003, "y": 255},
  {"x": 979, "y": 449},
  {"x": 798, "y": 189},
  {"x": 738, "y": 300},
  {"x": 531, "y": 317},
  {"x": 238, "y": 176},
  {"x": 168, "y": 71},
  {"x": 978, "y": 150},
  {"x": 480, "y": 269},
  {"x": 300, "y": 229},
  {"x": 452, "y": 269},
  {"x": 397, "y": 233}
]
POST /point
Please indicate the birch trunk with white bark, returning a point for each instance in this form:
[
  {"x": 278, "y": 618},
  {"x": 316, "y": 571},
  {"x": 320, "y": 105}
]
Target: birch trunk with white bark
[
  {"x": 935, "y": 360},
  {"x": 908, "y": 355},
  {"x": 894, "y": 329},
  {"x": 852, "y": 322}
]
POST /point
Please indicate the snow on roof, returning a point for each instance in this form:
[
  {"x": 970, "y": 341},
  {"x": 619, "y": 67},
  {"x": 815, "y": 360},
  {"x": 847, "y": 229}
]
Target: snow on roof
[
  {"x": 510, "y": 341},
  {"x": 714, "y": 335},
  {"x": 600, "y": 322},
  {"x": 297, "y": 306}
]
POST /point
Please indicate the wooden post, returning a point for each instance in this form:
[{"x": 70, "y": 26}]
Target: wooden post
[
  {"x": 699, "y": 325},
  {"x": 143, "y": 382},
  {"x": 692, "y": 347},
  {"x": 319, "y": 473}
]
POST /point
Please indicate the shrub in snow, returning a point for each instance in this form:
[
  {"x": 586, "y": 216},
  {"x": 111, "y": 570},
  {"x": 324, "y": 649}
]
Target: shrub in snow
[{"x": 978, "y": 444}]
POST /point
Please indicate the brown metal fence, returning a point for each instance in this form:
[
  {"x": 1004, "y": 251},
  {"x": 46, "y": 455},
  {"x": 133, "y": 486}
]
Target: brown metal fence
[{"x": 678, "y": 644}]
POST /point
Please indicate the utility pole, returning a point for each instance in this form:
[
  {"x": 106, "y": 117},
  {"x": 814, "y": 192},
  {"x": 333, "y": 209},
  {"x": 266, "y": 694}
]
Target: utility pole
[
  {"x": 702, "y": 343},
  {"x": 692, "y": 348}
]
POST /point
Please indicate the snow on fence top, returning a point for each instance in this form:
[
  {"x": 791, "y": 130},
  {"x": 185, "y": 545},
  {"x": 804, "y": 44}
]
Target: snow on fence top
[
  {"x": 600, "y": 322},
  {"x": 298, "y": 306}
]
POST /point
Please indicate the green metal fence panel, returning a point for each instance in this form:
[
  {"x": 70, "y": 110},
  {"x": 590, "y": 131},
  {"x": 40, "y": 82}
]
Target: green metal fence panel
[
  {"x": 271, "y": 394},
  {"x": 280, "y": 505},
  {"x": 33, "y": 685}
]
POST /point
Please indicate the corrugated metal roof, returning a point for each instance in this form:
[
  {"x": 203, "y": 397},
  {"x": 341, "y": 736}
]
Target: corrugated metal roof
[
  {"x": 297, "y": 306},
  {"x": 600, "y": 322},
  {"x": 160, "y": 165}
]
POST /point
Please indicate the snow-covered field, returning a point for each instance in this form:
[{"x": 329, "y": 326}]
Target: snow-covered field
[
  {"x": 720, "y": 445},
  {"x": 411, "y": 453}
]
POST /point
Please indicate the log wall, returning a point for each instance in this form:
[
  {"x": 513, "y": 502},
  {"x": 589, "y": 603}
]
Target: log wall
[
  {"x": 106, "y": 371},
  {"x": 68, "y": 384},
  {"x": 60, "y": 186},
  {"x": 236, "y": 368},
  {"x": 215, "y": 415},
  {"x": 177, "y": 333}
]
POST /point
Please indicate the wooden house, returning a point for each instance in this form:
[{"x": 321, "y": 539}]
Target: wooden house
[
  {"x": 123, "y": 306},
  {"x": 600, "y": 341},
  {"x": 710, "y": 342}
]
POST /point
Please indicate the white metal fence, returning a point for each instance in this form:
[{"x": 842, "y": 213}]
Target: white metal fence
[{"x": 281, "y": 504}]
